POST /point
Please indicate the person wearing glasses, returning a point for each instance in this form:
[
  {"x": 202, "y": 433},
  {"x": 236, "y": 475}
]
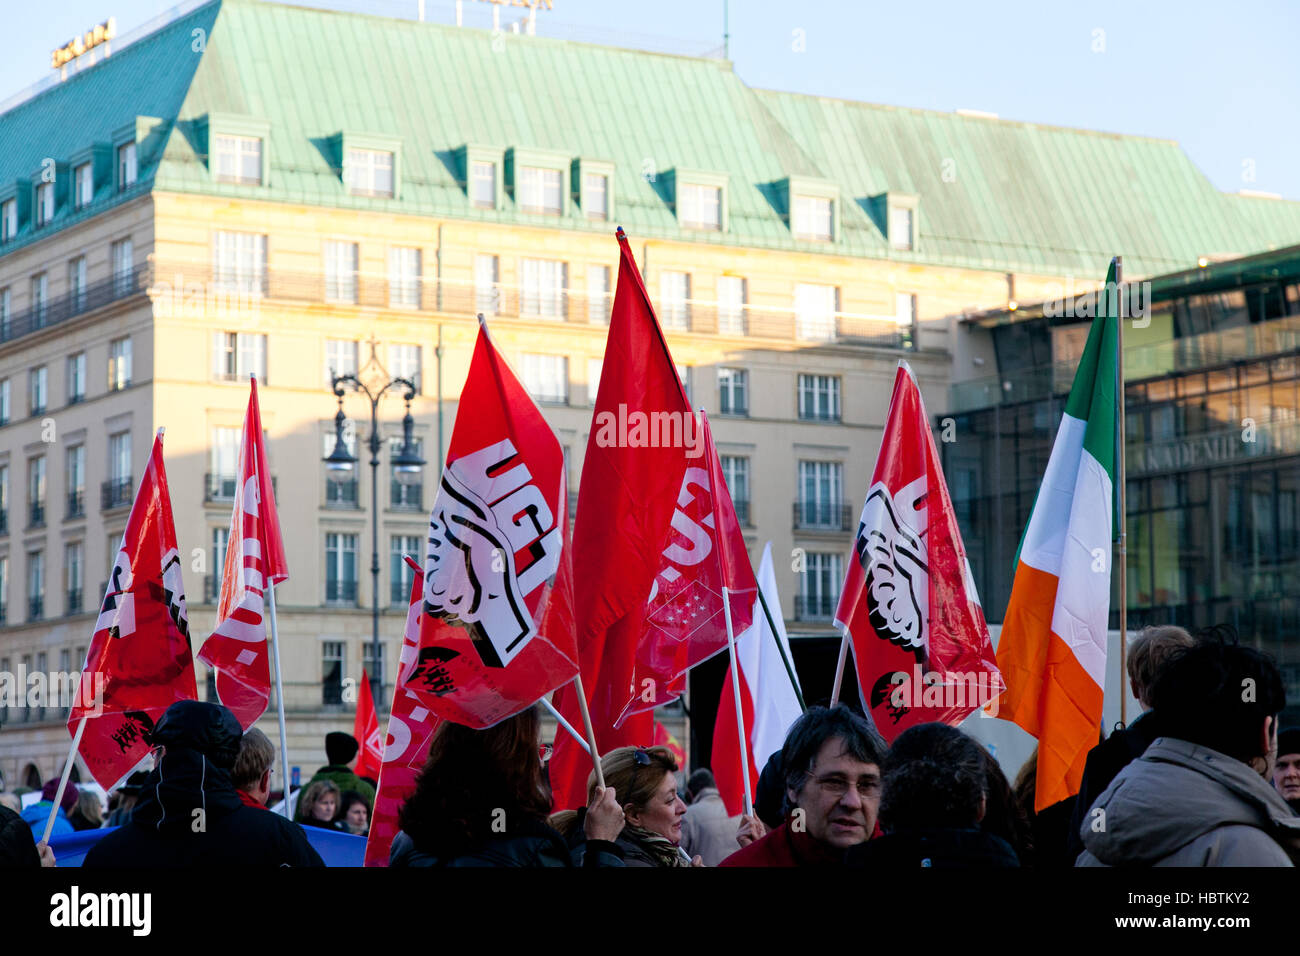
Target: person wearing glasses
[
  {"x": 252, "y": 772},
  {"x": 831, "y": 766},
  {"x": 482, "y": 800}
]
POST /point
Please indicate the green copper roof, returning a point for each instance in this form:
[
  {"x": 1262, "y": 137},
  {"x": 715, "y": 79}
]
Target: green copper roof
[{"x": 1015, "y": 197}]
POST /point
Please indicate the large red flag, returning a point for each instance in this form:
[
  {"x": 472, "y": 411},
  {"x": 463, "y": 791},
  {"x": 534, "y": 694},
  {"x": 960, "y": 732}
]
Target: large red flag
[
  {"x": 410, "y": 730},
  {"x": 255, "y": 560},
  {"x": 139, "y": 661},
  {"x": 365, "y": 728},
  {"x": 632, "y": 475},
  {"x": 496, "y": 632},
  {"x": 920, "y": 642}
]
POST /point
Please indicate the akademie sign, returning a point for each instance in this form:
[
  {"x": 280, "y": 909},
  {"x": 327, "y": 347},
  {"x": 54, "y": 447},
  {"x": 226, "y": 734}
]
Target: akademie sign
[{"x": 79, "y": 45}]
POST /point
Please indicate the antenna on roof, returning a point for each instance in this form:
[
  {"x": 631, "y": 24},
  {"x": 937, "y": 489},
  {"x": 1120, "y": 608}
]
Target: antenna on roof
[{"x": 726, "y": 31}]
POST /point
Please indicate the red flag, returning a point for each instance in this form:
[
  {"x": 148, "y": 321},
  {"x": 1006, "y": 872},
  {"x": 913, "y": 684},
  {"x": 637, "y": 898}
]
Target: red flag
[
  {"x": 664, "y": 739},
  {"x": 920, "y": 643},
  {"x": 410, "y": 730},
  {"x": 365, "y": 728},
  {"x": 237, "y": 648},
  {"x": 496, "y": 633},
  {"x": 139, "y": 662}
]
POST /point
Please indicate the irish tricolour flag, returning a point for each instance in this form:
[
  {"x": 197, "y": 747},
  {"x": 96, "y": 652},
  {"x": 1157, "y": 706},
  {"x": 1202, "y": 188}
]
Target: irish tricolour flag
[{"x": 1052, "y": 651}]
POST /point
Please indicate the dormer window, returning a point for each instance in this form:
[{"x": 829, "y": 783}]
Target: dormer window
[
  {"x": 44, "y": 203},
  {"x": 813, "y": 217},
  {"x": 595, "y": 192},
  {"x": 238, "y": 159},
  {"x": 483, "y": 184},
  {"x": 539, "y": 190},
  {"x": 8, "y": 219},
  {"x": 126, "y": 167},
  {"x": 370, "y": 172},
  {"x": 901, "y": 228},
  {"x": 700, "y": 207},
  {"x": 83, "y": 185}
]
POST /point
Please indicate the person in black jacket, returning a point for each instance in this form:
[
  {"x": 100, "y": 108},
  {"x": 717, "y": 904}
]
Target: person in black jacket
[
  {"x": 189, "y": 813},
  {"x": 17, "y": 844},
  {"x": 934, "y": 796},
  {"x": 482, "y": 800}
]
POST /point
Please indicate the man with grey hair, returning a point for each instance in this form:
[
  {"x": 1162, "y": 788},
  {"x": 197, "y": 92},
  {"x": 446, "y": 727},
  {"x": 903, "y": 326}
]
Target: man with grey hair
[{"x": 251, "y": 774}]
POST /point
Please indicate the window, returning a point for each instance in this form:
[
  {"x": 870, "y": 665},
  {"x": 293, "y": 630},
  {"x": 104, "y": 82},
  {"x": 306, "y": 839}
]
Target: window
[
  {"x": 117, "y": 490},
  {"x": 540, "y": 190},
  {"x": 733, "y": 391},
  {"x": 814, "y": 311},
  {"x": 75, "y": 481},
  {"x": 595, "y": 194},
  {"x": 731, "y": 305},
  {"x": 700, "y": 207},
  {"x": 401, "y": 574},
  {"x": 341, "y": 568},
  {"x": 224, "y": 463},
  {"x": 547, "y": 377},
  {"x": 374, "y": 671},
  {"x": 119, "y": 364},
  {"x": 404, "y": 277},
  {"x": 483, "y": 185},
  {"x": 237, "y": 355},
  {"x": 487, "y": 297},
  {"x": 40, "y": 298},
  {"x": 4, "y": 499},
  {"x": 404, "y": 497},
  {"x": 819, "y": 398},
  {"x": 544, "y": 283},
  {"x": 819, "y": 586},
  {"x": 812, "y": 218},
  {"x": 6, "y": 312},
  {"x": 73, "y": 571},
  {"x": 404, "y": 361},
  {"x": 126, "y": 170},
  {"x": 239, "y": 262},
  {"x": 900, "y": 228},
  {"x": 35, "y": 585},
  {"x": 4, "y": 402},
  {"x": 341, "y": 271},
  {"x": 8, "y": 219},
  {"x": 76, "y": 378},
  {"x": 684, "y": 373},
  {"x": 36, "y": 491},
  {"x": 905, "y": 309},
  {"x": 83, "y": 185},
  {"x": 238, "y": 160},
  {"x": 340, "y": 359},
  {"x": 77, "y": 283},
  {"x": 674, "y": 300},
  {"x": 598, "y": 298},
  {"x": 38, "y": 394},
  {"x": 821, "y": 501},
  {"x": 735, "y": 472},
  {"x": 123, "y": 268},
  {"x": 341, "y": 494},
  {"x": 44, "y": 203},
  {"x": 369, "y": 172},
  {"x": 594, "y": 368},
  {"x": 212, "y": 583},
  {"x": 331, "y": 669},
  {"x": 4, "y": 602}
]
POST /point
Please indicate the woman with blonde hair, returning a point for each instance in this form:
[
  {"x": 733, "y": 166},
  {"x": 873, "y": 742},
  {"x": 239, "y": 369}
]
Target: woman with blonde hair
[{"x": 317, "y": 804}]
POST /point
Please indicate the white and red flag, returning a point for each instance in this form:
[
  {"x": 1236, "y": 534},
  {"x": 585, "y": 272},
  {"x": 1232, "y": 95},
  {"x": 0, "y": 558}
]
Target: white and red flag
[
  {"x": 909, "y": 605},
  {"x": 139, "y": 660},
  {"x": 237, "y": 647},
  {"x": 365, "y": 728},
  {"x": 768, "y": 699}
]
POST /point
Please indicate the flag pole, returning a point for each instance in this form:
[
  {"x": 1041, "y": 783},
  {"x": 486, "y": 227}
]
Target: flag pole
[
  {"x": 1122, "y": 481},
  {"x": 63, "y": 782},
  {"x": 735, "y": 689},
  {"x": 279, "y": 698},
  {"x": 582, "y": 741},
  {"x": 591, "y": 734},
  {"x": 794, "y": 682},
  {"x": 839, "y": 670}
]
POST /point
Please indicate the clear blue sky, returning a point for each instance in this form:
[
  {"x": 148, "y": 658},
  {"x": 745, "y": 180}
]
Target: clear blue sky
[{"x": 1221, "y": 79}]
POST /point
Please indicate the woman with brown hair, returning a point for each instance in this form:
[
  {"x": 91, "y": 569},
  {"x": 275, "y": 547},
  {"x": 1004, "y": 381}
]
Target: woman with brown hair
[
  {"x": 482, "y": 800},
  {"x": 317, "y": 804}
]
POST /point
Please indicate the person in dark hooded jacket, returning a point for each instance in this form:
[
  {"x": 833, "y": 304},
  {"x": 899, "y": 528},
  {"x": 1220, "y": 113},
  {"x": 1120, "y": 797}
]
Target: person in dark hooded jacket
[{"x": 189, "y": 813}]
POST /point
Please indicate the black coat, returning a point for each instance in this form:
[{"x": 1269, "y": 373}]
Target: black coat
[
  {"x": 533, "y": 844},
  {"x": 941, "y": 849},
  {"x": 17, "y": 844}
]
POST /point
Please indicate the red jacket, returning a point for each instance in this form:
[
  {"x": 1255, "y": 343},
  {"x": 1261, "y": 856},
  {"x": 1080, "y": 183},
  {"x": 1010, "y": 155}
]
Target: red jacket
[
  {"x": 249, "y": 801},
  {"x": 784, "y": 847}
]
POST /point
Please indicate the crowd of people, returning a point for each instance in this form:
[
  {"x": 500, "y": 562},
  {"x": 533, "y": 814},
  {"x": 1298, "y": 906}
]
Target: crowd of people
[{"x": 1203, "y": 777}]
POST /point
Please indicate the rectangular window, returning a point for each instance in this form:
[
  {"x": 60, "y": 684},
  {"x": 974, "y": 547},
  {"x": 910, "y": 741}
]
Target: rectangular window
[
  {"x": 400, "y": 573},
  {"x": 340, "y": 359},
  {"x": 341, "y": 264},
  {"x": 6, "y": 312},
  {"x": 126, "y": 169},
  {"x": 539, "y": 190},
  {"x": 674, "y": 300},
  {"x": 819, "y": 398},
  {"x": 76, "y": 378},
  {"x": 36, "y": 492},
  {"x": 595, "y": 194},
  {"x": 212, "y": 583},
  {"x": 684, "y": 373},
  {"x": 594, "y": 368},
  {"x": 483, "y": 185},
  {"x": 733, "y": 391},
  {"x": 331, "y": 672},
  {"x": 73, "y": 570},
  {"x": 75, "y": 481},
  {"x": 341, "y": 494},
  {"x": 731, "y": 305},
  {"x": 8, "y": 219},
  {"x": 404, "y": 361},
  {"x": 487, "y": 296},
  {"x": 77, "y": 283},
  {"x": 900, "y": 228},
  {"x": 341, "y": 568},
  {"x": 905, "y": 309},
  {"x": 123, "y": 268},
  {"x": 224, "y": 463},
  {"x": 405, "y": 496},
  {"x": 812, "y": 218},
  {"x": 819, "y": 586},
  {"x": 546, "y": 377},
  {"x": 38, "y": 393},
  {"x": 404, "y": 277},
  {"x": 44, "y": 203},
  {"x": 237, "y": 355},
  {"x": 821, "y": 499},
  {"x": 814, "y": 311},
  {"x": 239, "y": 262},
  {"x": 544, "y": 284},
  {"x": 40, "y": 298},
  {"x": 4, "y": 401},
  {"x": 119, "y": 364},
  {"x": 119, "y": 457},
  {"x": 36, "y": 585},
  {"x": 83, "y": 184},
  {"x": 4, "y": 599},
  {"x": 598, "y": 298},
  {"x": 735, "y": 472},
  {"x": 238, "y": 160},
  {"x": 370, "y": 172},
  {"x": 700, "y": 207},
  {"x": 4, "y": 497}
]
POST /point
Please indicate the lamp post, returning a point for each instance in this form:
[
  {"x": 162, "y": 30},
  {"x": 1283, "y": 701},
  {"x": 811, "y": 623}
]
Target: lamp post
[{"x": 407, "y": 470}]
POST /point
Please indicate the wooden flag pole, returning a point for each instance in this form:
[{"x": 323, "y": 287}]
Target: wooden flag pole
[
  {"x": 740, "y": 716},
  {"x": 839, "y": 670},
  {"x": 776, "y": 636},
  {"x": 279, "y": 699},
  {"x": 1121, "y": 481},
  {"x": 591, "y": 734},
  {"x": 63, "y": 782},
  {"x": 582, "y": 741}
]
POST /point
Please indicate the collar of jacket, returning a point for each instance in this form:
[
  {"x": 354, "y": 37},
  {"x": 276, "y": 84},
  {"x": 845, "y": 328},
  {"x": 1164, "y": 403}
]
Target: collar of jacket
[{"x": 1232, "y": 773}]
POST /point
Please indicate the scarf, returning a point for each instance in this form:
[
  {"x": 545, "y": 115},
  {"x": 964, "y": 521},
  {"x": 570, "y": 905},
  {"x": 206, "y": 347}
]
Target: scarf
[{"x": 658, "y": 847}]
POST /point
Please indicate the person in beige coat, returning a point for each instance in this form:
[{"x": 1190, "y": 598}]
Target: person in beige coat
[{"x": 707, "y": 829}]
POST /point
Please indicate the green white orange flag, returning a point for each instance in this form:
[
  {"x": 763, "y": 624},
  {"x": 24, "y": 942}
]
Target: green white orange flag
[{"x": 1052, "y": 652}]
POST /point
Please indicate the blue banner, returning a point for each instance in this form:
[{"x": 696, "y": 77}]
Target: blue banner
[{"x": 335, "y": 847}]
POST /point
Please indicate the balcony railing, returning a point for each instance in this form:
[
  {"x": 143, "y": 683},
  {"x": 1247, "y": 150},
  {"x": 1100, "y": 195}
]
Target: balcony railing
[
  {"x": 341, "y": 592},
  {"x": 115, "y": 493},
  {"x": 76, "y": 504},
  {"x": 53, "y": 311},
  {"x": 822, "y": 516},
  {"x": 399, "y": 593},
  {"x": 406, "y": 497},
  {"x": 74, "y": 601},
  {"x": 341, "y": 494},
  {"x": 35, "y": 608},
  {"x": 36, "y": 515},
  {"x": 219, "y": 487},
  {"x": 814, "y": 607}
]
